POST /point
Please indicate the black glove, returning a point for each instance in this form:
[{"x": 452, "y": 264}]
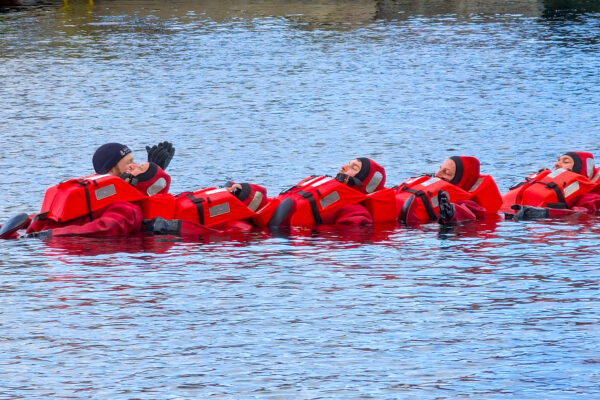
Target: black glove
[
  {"x": 446, "y": 208},
  {"x": 161, "y": 154},
  {"x": 127, "y": 177},
  {"x": 38, "y": 235},
  {"x": 528, "y": 213},
  {"x": 348, "y": 180},
  {"x": 161, "y": 226}
]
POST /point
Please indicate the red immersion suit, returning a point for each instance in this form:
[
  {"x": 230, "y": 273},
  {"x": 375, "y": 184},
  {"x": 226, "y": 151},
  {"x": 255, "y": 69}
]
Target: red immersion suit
[
  {"x": 472, "y": 196},
  {"x": 560, "y": 192}
]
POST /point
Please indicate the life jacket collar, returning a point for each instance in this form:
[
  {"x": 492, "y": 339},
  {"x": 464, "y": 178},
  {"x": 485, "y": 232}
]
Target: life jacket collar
[{"x": 351, "y": 181}]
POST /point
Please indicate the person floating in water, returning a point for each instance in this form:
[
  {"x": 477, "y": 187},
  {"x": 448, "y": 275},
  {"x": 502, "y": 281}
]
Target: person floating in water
[
  {"x": 457, "y": 192},
  {"x": 89, "y": 215},
  {"x": 571, "y": 187},
  {"x": 327, "y": 200},
  {"x": 126, "y": 198}
]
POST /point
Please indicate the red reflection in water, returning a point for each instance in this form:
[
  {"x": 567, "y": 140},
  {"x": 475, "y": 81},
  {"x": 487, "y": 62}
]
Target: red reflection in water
[{"x": 87, "y": 246}]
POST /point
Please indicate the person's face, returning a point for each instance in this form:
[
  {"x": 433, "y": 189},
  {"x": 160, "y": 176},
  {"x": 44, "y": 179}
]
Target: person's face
[
  {"x": 352, "y": 168},
  {"x": 122, "y": 165},
  {"x": 564, "y": 162},
  {"x": 136, "y": 169},
  {"x": 447, "y": 170}
]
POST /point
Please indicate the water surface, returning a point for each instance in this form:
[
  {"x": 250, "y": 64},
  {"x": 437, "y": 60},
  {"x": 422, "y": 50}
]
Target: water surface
[{"x": 271, "y": 92}]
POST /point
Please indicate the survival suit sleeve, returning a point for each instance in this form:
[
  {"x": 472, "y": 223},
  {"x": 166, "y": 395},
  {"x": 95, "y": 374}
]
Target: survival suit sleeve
[
  {"x": 467, "y": 210},
  {"x": 234, "y": 226},
  {"x": 119, "y": 218},
  {"x": 355, "y": 214},
  {"x": 586, "y": 203}
]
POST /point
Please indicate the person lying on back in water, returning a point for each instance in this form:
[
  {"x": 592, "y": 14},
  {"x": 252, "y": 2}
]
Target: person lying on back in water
[
  {"x": 116, "y": 218},
  {"x": 571, "y": 187},
  {"x": 188, "y": 212},
  {"x": 327, "y": 200},
  {"x": 457, "y": 192}
]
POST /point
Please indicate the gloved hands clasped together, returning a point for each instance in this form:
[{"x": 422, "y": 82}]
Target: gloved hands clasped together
[{"x": 161, "y": 154}]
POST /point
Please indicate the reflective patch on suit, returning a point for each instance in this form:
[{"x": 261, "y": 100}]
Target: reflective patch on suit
[
  {"x": 329, "y": 199},
  {"x": 375, "y": 181},
  {"x": 572, "y": 188},
  {"x": 311, "y": 181},
  {"x": 256, "y": 200},
  {"x": 434, "y": 202},
  {"x": 590, "y": 167},
  {"x": 219, "y": 209},
  {"x": 476, "y": 185},
  {"x": 157, "y": 186},
  {"x": 105, "y": 192},
  {"x": 322, "y": 181},
  {"x": 209, "y": 192},
  {"x": 556, "y": 173},
  {"x": 430, "y": 181}
]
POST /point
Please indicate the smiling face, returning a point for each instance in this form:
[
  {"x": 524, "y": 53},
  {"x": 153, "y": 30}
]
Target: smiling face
[
  {"x": 447, "y": 170},
  {"x": 352, "y": 168},
  {"x": 122, "y": 165},
  {"x": 565, "y": 162}
]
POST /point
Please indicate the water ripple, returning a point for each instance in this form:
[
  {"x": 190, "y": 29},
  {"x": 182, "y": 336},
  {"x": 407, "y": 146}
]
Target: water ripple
[{"x": 272, "y": 92}]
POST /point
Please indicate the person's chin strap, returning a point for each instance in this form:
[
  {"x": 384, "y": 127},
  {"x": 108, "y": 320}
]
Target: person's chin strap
[
  {"x": 129, "y": 178},
  {"x": 348, "y": 180}
]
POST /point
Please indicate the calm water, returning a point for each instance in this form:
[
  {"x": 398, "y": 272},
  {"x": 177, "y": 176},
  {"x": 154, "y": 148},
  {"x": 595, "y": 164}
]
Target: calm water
[{"x": 270, "y": 92}]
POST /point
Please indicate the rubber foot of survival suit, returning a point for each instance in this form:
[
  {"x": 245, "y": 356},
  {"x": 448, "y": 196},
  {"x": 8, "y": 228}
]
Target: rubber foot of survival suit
[
  {"x": 279, "y": 224},
  {"x": 14, "y": 224}
]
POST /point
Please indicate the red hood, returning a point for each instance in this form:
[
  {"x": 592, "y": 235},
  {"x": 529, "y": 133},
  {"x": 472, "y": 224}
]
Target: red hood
[
  {"x": 467, "y": 172},
  {"x": 583, "y": 163},
  {"x": 153, "y": 181},
  {"x": 371, "y": 175}
]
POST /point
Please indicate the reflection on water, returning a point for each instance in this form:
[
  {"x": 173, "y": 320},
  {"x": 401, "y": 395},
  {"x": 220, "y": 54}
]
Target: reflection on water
[
  {"x": 314, "y": 14},
  {"x": 569, "y": 9},
  {"x": 324, "y": 11},
  {"x": 477, "y": 313},
  {"x": 403, "y": 9},
  {"x": 272, "y": 91}
]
